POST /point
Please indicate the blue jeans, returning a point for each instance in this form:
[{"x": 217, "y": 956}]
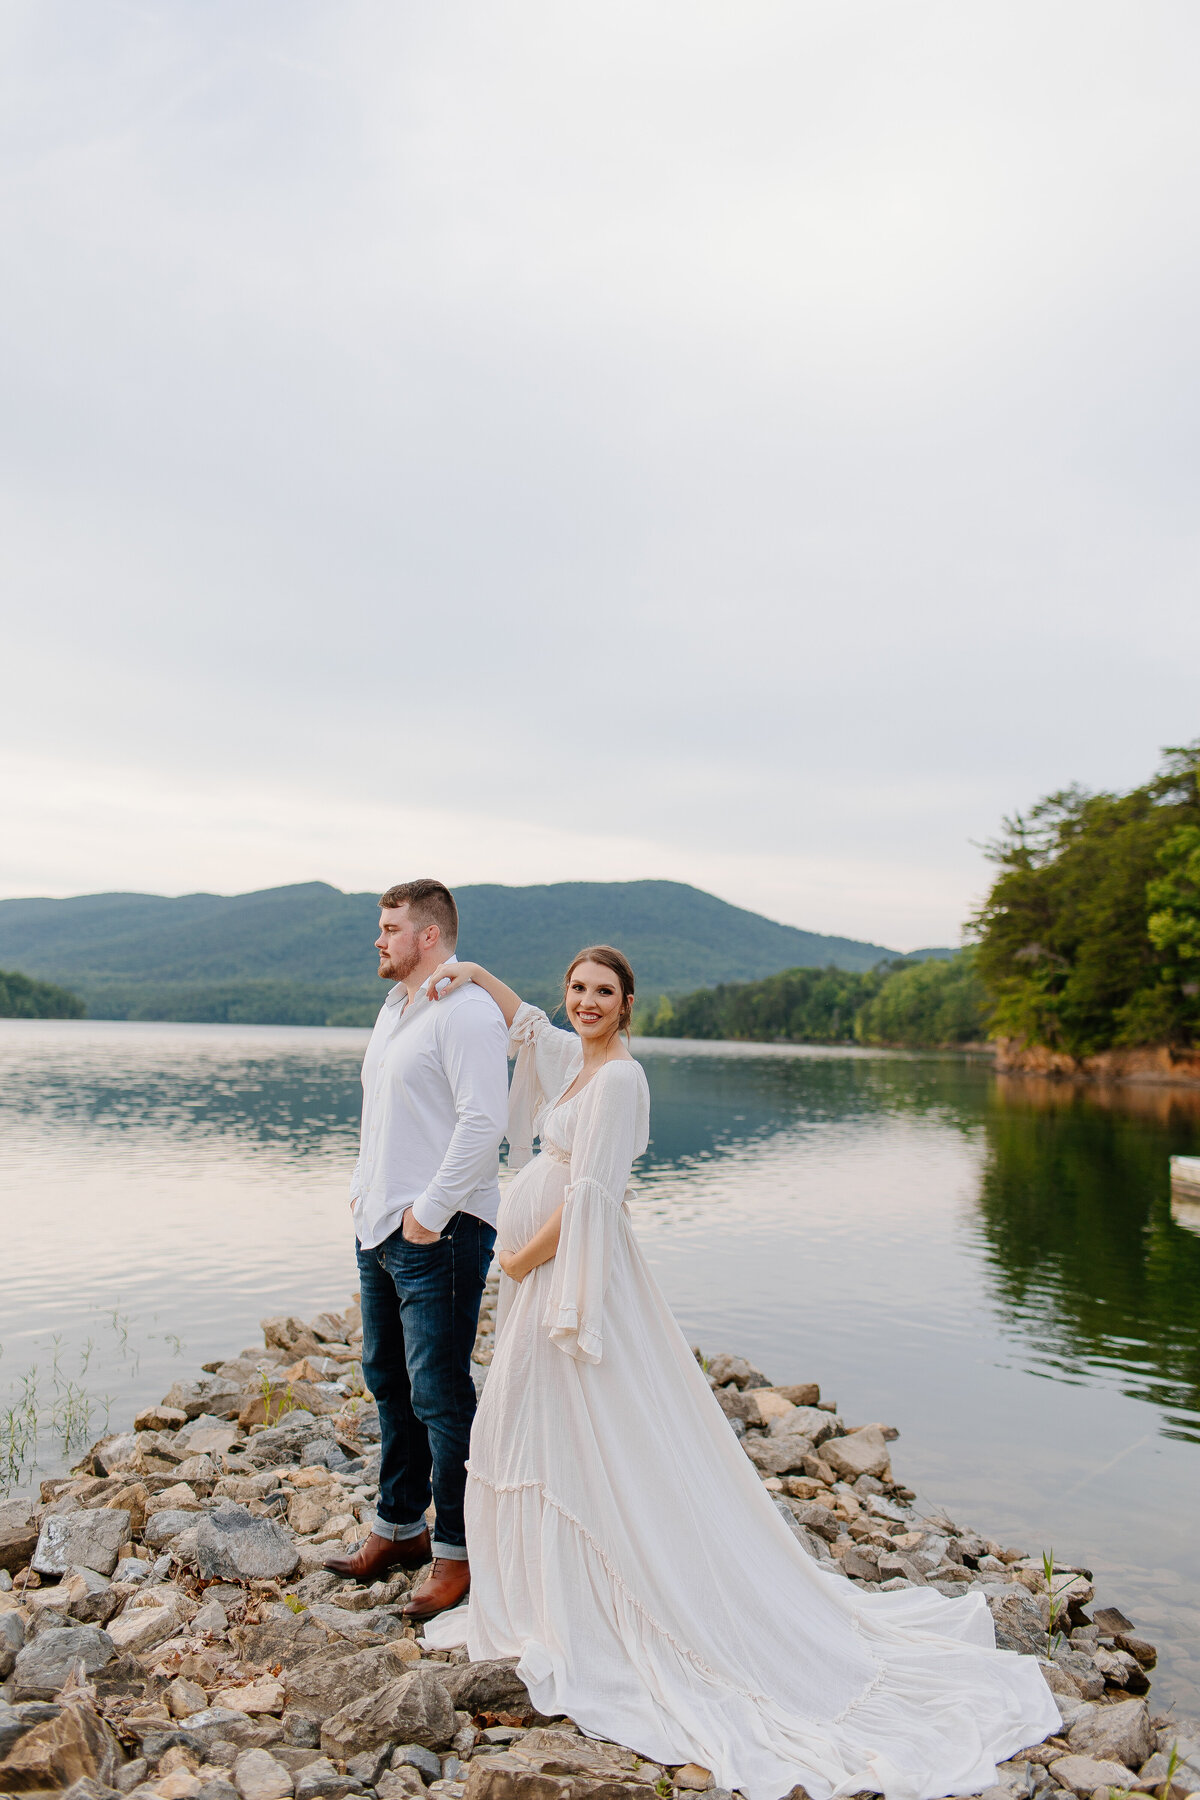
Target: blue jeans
[{"x": 420, "y": 1313}]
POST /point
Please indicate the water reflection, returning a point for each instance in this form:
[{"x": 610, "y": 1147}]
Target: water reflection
[{"x": 991, "y": 1262}]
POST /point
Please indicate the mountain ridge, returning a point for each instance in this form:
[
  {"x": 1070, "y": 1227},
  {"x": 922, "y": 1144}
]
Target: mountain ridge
[{"x": 225, "y": 956}]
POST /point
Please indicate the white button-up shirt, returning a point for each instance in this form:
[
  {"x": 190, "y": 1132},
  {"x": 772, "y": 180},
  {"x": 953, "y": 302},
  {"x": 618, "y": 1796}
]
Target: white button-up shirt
[{"x": 435, "y": 1107}]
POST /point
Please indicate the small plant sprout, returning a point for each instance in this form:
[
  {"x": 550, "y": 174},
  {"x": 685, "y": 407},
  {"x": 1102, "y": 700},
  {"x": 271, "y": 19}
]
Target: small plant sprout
[{"x": 1054, "y": 1636}]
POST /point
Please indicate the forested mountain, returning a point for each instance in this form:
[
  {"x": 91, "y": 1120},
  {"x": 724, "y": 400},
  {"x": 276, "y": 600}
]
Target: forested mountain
[{"x": 304, "y": 954}]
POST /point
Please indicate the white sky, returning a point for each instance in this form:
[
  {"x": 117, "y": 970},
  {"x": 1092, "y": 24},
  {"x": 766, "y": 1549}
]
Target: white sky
[{"x": 752, "y": 444}]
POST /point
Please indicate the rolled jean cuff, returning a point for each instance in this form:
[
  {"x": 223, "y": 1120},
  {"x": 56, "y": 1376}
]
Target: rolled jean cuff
[
  {"x": 396, "y": 1534},
  {"x": 451, "y": 1552}
]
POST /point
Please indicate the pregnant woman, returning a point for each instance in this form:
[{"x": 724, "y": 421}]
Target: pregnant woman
[{"x": 622, "y": 1545}]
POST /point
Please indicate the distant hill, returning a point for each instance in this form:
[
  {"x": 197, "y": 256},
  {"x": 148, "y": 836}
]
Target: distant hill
[{"x": 303, "y": 954}]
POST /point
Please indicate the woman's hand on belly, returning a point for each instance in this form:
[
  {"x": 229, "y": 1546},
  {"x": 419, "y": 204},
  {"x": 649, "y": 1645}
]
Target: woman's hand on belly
[{"x": 540, "y": 1249}]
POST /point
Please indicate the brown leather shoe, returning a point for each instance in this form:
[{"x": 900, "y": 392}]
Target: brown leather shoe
[
  {"x": 449, "y": 1581},
  {"x": 379, "y": 1554}
]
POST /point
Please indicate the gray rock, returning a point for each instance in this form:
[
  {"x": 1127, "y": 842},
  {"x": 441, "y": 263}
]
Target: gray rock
[
  {"x": 132, "y": 1775},
  {"x": 1081, "y": 1671},
  {"x": 257, "y": 1776},
  {"x": 807, "y": 1421},
  {"x": 1018, "y": 1621},
  {"x": 363, "y": 1628},
  {"x": 223, "y": 1724},
  {"x": 724, "y": 1368},
  {"x": 331, "y": 1679},
  {"x": 12, "y": 1640},
  {"x": 862, "y": 1563},
  {"x": 400, "y": 1784},
  {"x": 18, "y": 1534},
  {"x": 1084, "y": 1774},
  {"x": 43, "y": 1666},
  {"x": 862, "y": 1452},
  {"x": 492, "y": 1686},
  {"x": 232, "y": 1545},
  {"x": 211, "y": 1620},
  {"x": 15, "y": 1721},
  {"x": 321, "y": 1781},
  {"x": 879, "y": 1507},
  {"x": 88, "y": 1540},
  {"x": 821, "y": 1519},
  {"x": 777, "y": 1455},
  {"x": 416, "y": 1756},
  {"x": 206, "y": 1394},
  {"x": 416, "y": 1708},
  {"x": 1120, "y": 1733},
  {"x": 454, "y": 1769},
  {"x": 895, "y": 1566},
  {"x": 301, "y": 1730},
  {"x": 216, "y": 1789},
  {"x": 163, "y": 1527},
  {"x": 281, "y": 1444},
  {"x": 369, "y": 1765}
]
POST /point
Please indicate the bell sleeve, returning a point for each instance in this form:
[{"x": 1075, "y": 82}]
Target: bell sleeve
[
  {"x": 546, "y": 1060},
  {"x": 611, "y": 1131}
]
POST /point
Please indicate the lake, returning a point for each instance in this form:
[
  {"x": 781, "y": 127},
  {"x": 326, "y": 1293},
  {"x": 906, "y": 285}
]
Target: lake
[{"x": 990, "y": 1264}]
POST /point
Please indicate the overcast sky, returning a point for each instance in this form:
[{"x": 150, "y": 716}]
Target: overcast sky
[{"x": 753, "y": 444}]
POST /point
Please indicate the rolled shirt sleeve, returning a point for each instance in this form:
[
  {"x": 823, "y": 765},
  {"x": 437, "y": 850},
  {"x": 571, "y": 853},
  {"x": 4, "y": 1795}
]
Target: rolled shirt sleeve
[{"x": 472, "y": 1042}]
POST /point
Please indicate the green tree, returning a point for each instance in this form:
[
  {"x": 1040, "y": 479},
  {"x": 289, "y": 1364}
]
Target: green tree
[
  {"x": 1065, "y": 945},
  {"x": 23, "y": 998},
  {"x": 927, "y": 1004}
]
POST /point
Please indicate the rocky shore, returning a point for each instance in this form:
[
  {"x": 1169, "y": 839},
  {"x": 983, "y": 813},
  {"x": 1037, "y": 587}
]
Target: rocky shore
[{"x": 167, "y": 1629}]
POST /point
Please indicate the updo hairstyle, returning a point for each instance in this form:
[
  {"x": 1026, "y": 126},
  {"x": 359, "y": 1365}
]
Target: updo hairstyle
[{"x": 608, "y": 958}]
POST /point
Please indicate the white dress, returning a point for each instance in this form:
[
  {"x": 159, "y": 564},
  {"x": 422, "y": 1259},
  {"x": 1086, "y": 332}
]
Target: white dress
[{"x": 623, "y": 1547}]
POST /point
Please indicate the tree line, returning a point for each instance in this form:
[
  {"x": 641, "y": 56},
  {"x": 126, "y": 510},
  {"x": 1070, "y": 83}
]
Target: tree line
[
  {"x": 23, "y": 998},
  {"x": 926, "y": 1005},
  {"x": 1088, "y": 940}
]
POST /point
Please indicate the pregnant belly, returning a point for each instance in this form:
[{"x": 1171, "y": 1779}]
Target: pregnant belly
[{"x": 526, "y": 1205}]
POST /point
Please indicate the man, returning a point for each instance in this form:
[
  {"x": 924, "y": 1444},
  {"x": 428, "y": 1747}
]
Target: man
[{"x": 424, "y": 1196}]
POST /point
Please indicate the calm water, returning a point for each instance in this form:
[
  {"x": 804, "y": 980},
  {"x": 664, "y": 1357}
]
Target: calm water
[{"x": 990, "y": 1265}]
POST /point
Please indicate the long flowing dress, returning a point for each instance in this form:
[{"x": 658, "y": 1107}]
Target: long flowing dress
[{"x": 623, "y": 1547}]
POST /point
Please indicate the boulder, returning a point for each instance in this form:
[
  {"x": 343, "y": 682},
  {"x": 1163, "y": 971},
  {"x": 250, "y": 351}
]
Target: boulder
[
  {"x": 319, "y": 1780},
  {"x": 821, "y": 1519},
  {"x": 257, "y": 1776},
  {"x": 12, "y": 1641},
  {"x": 263, "y": 1696},
  {"x": 143, "y": 1628},
  {"x": 332, "y": 1679},
  {"x": 1084, "y": 1774},
  {"x": 416, "y": 1708},
  {"x": 205, "y": 1394},
  {"x": 805, "y": 1421},
  {"x": 723, "y": 1369},
  {"x": 221, "y": 1724},
  {"x": 271, "y": 1405},
  {"x": 1120, "y": 1733},
  {"x": 291, "y": 1335},
  {"x": 801, "y": 1393},
  {"x": 487, "y": 1687},
  {"x": 74, "y": 1745},
  {"x": 179, "y": 1497},
  {"x": 232, "y": 1545},
  {"x": 860, "y": 1453},
  {"x": 362, "y": 1628},
  {"x": 1085, "y": 1677},
  {"x": 44, "y": 1665},
  {"x": 401, "y": 1784},
  {"x": 778, "y": 1455},
  {"x": 160, "y": 1418},
  {"x": 284, "y": 1443},
  {"x": 163, "y": 1527},
  {"x": 85, "y": 1539},
  {"x": 207, "y": 1435},
  {"x": 18, "y": 1534},
  {"x": 1019, "y": 1623},
  {"x": 282, "y": 1636}
]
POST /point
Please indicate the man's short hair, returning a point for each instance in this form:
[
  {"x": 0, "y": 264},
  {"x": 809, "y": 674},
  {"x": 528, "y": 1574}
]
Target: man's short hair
[{"x": 429, "y": 903}]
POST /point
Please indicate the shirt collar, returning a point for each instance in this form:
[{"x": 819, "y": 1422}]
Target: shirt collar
[{"x": 399, "y": 994}]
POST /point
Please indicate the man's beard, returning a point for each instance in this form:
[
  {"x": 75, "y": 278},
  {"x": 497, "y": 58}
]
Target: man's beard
[{"x": 399, "y": 965}]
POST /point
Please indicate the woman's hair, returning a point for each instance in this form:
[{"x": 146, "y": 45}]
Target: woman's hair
[{"x": 608, "y": 958}]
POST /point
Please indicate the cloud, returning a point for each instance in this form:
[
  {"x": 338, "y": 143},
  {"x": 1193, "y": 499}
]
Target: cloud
[{"x": 753, "y": 446}]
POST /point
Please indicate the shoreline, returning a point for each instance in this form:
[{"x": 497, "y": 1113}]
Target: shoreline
[{"x": 167, "y": 1629}]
